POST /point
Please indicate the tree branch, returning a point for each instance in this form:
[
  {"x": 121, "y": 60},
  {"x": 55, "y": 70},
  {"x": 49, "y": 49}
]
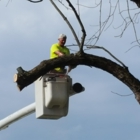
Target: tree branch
[
  {"x": 70, "y": 26},
  {"x": 135, "y": 32},
  {"x": 98, "y": 47},
  {"x": 81, "y": 24},
  {"x": 35, "y": 1},
  {"x": 137, "y": 2},
  {"x": 25, "y": 78}
]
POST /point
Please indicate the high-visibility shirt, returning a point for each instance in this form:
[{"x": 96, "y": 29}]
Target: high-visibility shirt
[{"x": 58, "y": 47}]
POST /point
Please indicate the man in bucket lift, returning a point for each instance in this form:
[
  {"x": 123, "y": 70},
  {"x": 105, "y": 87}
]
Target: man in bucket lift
[
  {"x": 57, "y": 50},
  {"x": 56, "y": 86}
]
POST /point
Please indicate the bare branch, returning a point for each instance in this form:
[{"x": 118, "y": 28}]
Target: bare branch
[
  {"x": 98, "y": 47},
  {"x": 81, "y": 24},
  {"x": 131, "y": 48},
  {"x": 112, "y": 13},
  {"x": 8, "y": 2},
  {"x": 60, "y": 1},
  {"x": 35, "y": 1},
  {"x": 89, "y": 6},
  {"x": 133, "y": 24},
  {"x": 70, "y": 26},
  {"x": 102, "y": 24},
  {"x": 78, "y": 7},
  {"x": 121, "y": 94},
  {"x": 137, "y": 2}
]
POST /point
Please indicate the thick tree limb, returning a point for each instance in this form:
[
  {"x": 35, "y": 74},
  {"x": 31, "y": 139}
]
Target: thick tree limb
[
  {"x": 137, "y": 2},
  {"x": 25, "y": 78}
]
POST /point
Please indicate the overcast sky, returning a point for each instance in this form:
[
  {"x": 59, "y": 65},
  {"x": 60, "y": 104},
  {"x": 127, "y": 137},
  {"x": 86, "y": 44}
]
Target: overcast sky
[{"x": 27, "y": 32}]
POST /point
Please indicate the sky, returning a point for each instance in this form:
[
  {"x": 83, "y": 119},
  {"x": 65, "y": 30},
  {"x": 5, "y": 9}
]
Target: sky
[{"x": 27, "y": 32}]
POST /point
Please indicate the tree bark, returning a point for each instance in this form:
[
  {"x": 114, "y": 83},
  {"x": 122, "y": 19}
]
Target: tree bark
[
  {"x": 137, "y": 2},
  {"x": 24, "y": 78}
]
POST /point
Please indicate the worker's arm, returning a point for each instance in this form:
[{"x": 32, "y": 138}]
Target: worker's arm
[{"x": 59, "y": 53}]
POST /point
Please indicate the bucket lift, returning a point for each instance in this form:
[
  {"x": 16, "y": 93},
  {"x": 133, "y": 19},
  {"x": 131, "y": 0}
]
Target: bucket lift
[{"x": 52, "y": 93}]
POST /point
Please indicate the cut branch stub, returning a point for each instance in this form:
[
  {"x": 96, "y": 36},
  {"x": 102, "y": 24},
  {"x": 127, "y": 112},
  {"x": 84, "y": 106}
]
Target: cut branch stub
[{"x": 19, "y": 78}]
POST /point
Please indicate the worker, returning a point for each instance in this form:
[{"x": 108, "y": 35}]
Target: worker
[{"x": 59, "y": 49}]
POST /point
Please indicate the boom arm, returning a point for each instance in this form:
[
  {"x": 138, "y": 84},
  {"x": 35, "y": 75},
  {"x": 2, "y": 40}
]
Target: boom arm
[{"x": 4, "y": 123}]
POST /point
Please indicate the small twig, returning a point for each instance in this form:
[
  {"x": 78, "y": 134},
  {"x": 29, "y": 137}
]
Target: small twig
[
  {"x": 131, "y": 48},
  {"x": 35, "y": 1},
  {"x": 121, "y": 94},
  {"x": 89, "y": 6},
  {"x": 135, "y": 32},
  {"x": 8, "y": 3},
  {"x": 78, "y": 7},
  {"x": 63, "y": 5},
  {"x": 112, "y": 14}
]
